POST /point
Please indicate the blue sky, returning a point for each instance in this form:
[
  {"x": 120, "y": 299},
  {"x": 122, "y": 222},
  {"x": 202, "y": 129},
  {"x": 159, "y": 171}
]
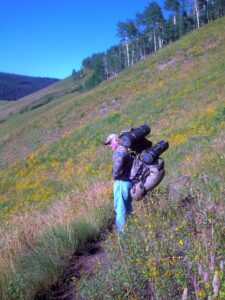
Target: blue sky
[{"x": 51, "y": 37}]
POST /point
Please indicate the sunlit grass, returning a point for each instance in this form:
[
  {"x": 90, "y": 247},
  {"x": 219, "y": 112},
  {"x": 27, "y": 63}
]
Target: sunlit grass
[
  {"x": 168, "y": 250},
  {"x": 52, "y": 156}
]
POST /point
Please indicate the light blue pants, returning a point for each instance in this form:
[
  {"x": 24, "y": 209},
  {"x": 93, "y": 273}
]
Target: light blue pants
[{"x": 122, "y": 202}]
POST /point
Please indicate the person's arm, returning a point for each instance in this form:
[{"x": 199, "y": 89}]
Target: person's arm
[{"x": 118, "y": 161}]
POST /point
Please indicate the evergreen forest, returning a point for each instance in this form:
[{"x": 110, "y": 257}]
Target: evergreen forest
[
  {"x": 13, "y": 86},
  {"x": 151, "y": 30}
]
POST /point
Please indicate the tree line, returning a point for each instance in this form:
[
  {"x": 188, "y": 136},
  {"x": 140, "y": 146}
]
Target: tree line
[
  {"x": 13, "y": 87},
  {"x": 149, "y": 32}
]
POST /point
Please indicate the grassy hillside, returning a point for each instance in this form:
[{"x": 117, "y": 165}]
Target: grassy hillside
[
  {"x": 15, "y": 118},
  {"x": 3, "y": 102},
  {"x": 59, "y": 89},
  {"x": 54, "y": 167}
]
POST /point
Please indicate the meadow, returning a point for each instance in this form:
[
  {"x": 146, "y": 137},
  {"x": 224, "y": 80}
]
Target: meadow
[{"x": 56, "y": 188}]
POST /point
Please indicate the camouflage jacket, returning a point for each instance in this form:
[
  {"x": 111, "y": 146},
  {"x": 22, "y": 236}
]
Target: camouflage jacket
[{"x": 122, "y": 163}]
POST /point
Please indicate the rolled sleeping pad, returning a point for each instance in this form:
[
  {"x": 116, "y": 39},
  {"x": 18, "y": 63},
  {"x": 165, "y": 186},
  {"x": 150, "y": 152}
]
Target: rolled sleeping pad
[
  {"x": 155, "y": 176},
  {"x": 128, "y": 139},
  {"x": 151, "y": 154}
]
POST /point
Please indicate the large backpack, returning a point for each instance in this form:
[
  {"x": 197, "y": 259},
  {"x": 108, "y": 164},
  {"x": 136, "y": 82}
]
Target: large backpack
[
  {"x": 145, "y": 177},
  {"x": 148, "y": 168}
]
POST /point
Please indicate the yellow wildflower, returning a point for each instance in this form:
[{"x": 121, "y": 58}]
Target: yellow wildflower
[{"x": 181, "y": 242}]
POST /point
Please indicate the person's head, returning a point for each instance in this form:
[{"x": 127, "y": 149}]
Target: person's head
[{"x": 112, "y": 140}]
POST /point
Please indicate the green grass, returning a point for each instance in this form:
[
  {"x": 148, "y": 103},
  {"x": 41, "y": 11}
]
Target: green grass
[
  {"x": 3, "y": 102},
  {"x": 46, "y": 259},
  {"x": 54, "y": 147},
  {"x": 168, "y": 247}
]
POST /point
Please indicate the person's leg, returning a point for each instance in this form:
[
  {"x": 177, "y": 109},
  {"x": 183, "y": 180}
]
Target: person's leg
[
  {"x": 126, "y": 186},
  {"x": 122, "y": 202},
  {"x": 119, "y": 206}
]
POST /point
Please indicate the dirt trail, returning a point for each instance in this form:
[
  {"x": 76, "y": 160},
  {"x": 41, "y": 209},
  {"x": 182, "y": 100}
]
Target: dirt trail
[{"x": 83, "y": 263}]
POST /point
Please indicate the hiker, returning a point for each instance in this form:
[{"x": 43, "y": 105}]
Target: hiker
[{"x": 122, "y": 163}]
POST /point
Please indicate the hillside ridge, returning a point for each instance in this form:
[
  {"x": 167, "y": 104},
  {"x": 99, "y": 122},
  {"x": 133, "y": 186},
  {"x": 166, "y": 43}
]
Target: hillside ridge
[
  {"x": 55, "y": 173},
  {"x": 14, "y": 86}
]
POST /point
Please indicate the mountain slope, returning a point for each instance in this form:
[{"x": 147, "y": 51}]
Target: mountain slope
[
  {"x": 13, "y": 86},
  {"x": 179, "y": 91}
]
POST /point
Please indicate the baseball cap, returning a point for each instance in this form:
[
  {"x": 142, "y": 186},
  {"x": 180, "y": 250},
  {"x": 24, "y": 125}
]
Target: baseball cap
[{"x": 110, "y": 137}]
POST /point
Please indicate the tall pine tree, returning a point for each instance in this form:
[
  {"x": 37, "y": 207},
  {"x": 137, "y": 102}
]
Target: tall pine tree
[{"x": 153, "y": 22}]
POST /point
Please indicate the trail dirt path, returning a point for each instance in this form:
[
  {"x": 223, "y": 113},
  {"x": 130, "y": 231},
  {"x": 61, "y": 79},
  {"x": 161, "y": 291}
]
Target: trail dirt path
[{"x": 83, "y": 263}]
